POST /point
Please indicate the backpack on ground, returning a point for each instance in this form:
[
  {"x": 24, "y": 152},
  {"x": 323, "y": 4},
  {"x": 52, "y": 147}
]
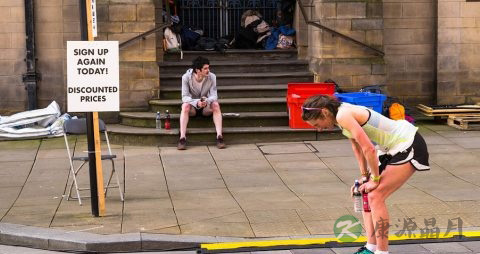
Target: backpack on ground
[
  {"x": 171, "y": 41},
  {"x": 396, "y": 111}
]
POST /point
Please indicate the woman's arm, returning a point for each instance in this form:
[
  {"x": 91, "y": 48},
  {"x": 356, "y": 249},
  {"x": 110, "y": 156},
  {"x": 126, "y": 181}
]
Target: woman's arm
[
  {"x": 362, "y": 162},
  {"x": 348, "y": 121}
]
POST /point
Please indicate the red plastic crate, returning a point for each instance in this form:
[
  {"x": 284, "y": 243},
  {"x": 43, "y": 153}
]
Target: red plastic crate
[{"x": 297, "y": 93}]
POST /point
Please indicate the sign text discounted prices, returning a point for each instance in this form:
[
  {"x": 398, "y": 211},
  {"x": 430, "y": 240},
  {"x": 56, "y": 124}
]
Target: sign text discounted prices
[{"x": 93, "y": 76}]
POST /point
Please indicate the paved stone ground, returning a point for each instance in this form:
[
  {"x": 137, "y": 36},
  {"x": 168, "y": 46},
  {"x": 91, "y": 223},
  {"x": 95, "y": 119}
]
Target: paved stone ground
[
  {"x": 250, "y": 190},
  {"x": 437, "y": 248}
]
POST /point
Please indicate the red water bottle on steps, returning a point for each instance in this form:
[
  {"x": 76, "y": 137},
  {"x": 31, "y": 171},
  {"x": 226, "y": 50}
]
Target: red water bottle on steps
[
  {"x": 167, "y": 120},
  {"x": 366, "y": 206}
]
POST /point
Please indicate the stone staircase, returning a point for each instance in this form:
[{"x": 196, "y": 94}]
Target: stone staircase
[{"x": 252, "y": 87}]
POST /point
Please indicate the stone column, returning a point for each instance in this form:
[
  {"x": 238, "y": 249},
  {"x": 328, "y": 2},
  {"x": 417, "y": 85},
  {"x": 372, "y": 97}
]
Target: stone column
[
  {"x": 13, "y": 97},
  {"x": 409, "y": 46},
  {"x": 458, "y": 52}
]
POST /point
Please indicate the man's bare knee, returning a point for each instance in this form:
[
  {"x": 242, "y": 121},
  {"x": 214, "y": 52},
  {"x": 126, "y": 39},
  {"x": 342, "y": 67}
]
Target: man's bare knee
[
  {"x": 215, "y": 106},
  {"x": 186, "y": 107}
]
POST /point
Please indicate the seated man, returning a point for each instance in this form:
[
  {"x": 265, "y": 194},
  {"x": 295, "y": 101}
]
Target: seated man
[{"x": 199, "y": 97}]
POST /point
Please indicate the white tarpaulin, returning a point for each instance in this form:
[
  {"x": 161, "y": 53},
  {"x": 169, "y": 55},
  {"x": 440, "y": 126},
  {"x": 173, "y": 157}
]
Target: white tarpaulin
[{"x": 34, "y": 123}]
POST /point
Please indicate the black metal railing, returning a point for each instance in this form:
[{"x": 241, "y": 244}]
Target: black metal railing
[{"x": 218, "y": 18}]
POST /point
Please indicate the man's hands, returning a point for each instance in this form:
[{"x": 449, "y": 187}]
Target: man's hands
[{"x": 201, "y": 104}]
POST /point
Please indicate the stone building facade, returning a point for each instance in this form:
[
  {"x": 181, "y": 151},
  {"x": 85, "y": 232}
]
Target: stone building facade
[{"x": 432, "y": 48}]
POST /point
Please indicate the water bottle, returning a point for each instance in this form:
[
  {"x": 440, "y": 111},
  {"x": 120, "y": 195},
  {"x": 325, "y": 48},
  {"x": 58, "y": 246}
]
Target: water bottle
[
  {"x": 357, "y": 198},
  {"x": 167, "y": 120},
  {"x": 158, "y": 121},
  {"x": 366, "y": 206}
]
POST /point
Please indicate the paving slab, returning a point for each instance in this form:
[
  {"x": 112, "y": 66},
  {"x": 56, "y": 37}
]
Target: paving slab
[
  {"x": 227, "y": 215},
  {"x": 467, "y": 142},
  {"x": 175, "y": 230},
  {"x": 445, "y": 247},
  {"x": 435, "y": 208},
  {"x": 412, "y": 195},
  {"x": 320, "y": 226},
  {"x": 291, "y": 157},
  {"x": 287, "y": 228},
  {"x": 236, "y": 154},
  {"x": 195, "y": 181},
  {"x": 435, "y": 174},
  {"x": 310, "y": 164},
  {"x": 408, "y": 248},
  {"x": 321, "y": 214},
  {"x": 147, "y": 218},
  {"x": 292, "y": 176},
  {"x": 15, "y": 155},
  {"x": 313, "y": 251},
  {"x": 333, "y": 148},
  {"x": 277, "y": 215},
  {"x": 213, "y": 228},
  {"x": 238, "y": 180},
  {"x": 205, "y": 198},
  {"x": 267, "y": 197},
  {"x": 320, "y": 201},
  {"x": 473, "y": 246},
  {"x": 285, "y": 148},
  {"x": 436, "y": 139},
  {"x": 244, "y": 166},
  {"x": 446, "y": 149},
  {"x": 101, "y": 229},
  {"x": 20, "y": 144}
]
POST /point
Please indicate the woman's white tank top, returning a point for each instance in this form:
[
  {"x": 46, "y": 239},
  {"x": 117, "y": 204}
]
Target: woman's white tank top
[{"x": 388, "y": 136}]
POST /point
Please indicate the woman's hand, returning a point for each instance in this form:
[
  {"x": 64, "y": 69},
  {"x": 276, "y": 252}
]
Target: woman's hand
[{"x": 369, "y": 186}]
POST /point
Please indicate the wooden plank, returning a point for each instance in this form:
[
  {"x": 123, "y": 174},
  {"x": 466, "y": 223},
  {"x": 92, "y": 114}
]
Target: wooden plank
[
  {"x": 446, "y": 111},
  {"x": 96, "y": 129}
]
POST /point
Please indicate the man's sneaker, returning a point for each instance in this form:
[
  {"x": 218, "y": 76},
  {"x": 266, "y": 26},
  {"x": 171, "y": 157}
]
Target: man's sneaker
[
  {"x": 363, "y": 250},
  {"x": 220, "y": 142},
  {"x": 182, "y": 144}
]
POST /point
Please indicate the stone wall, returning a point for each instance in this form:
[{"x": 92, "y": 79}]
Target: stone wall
[
  {"x": 409, "y": 42},
  {"x": 458, "y": 52},
  {"x": 139, "y": 77},
  {"x": 58, "y": 21},
  {"x": 13, "y": 96},
  {"x": 333, "y": 57}
]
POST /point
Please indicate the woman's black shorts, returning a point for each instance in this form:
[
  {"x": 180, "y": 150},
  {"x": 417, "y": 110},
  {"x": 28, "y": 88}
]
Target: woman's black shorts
[{"x": 416, "y": 154}]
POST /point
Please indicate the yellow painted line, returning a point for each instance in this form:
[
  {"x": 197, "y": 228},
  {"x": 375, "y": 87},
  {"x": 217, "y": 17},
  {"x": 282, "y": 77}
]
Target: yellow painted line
[{"x": 319, "y": 241}]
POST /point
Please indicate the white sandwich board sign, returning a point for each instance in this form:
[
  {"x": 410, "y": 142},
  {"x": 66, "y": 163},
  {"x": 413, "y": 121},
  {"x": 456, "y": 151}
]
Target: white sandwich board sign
[{"x": 93, "y": 76}]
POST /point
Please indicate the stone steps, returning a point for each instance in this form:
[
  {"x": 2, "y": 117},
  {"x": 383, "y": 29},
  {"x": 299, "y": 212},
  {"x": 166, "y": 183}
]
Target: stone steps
[
  {"x": 233, "y": 55},
  {"x": 252, "y": 88},
  {"x": 128, "y": 135},
  {"x": 241, "y": 66},
  {"x": 239, "y": 91},
  {"x": 229, "y": 105},
  {"x": 243, "y": 119},
  {"x": 265, "y": 78}
]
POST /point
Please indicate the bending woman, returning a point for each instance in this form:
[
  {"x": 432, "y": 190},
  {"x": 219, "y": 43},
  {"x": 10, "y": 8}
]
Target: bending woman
[{"x": 388, "y": 153}]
